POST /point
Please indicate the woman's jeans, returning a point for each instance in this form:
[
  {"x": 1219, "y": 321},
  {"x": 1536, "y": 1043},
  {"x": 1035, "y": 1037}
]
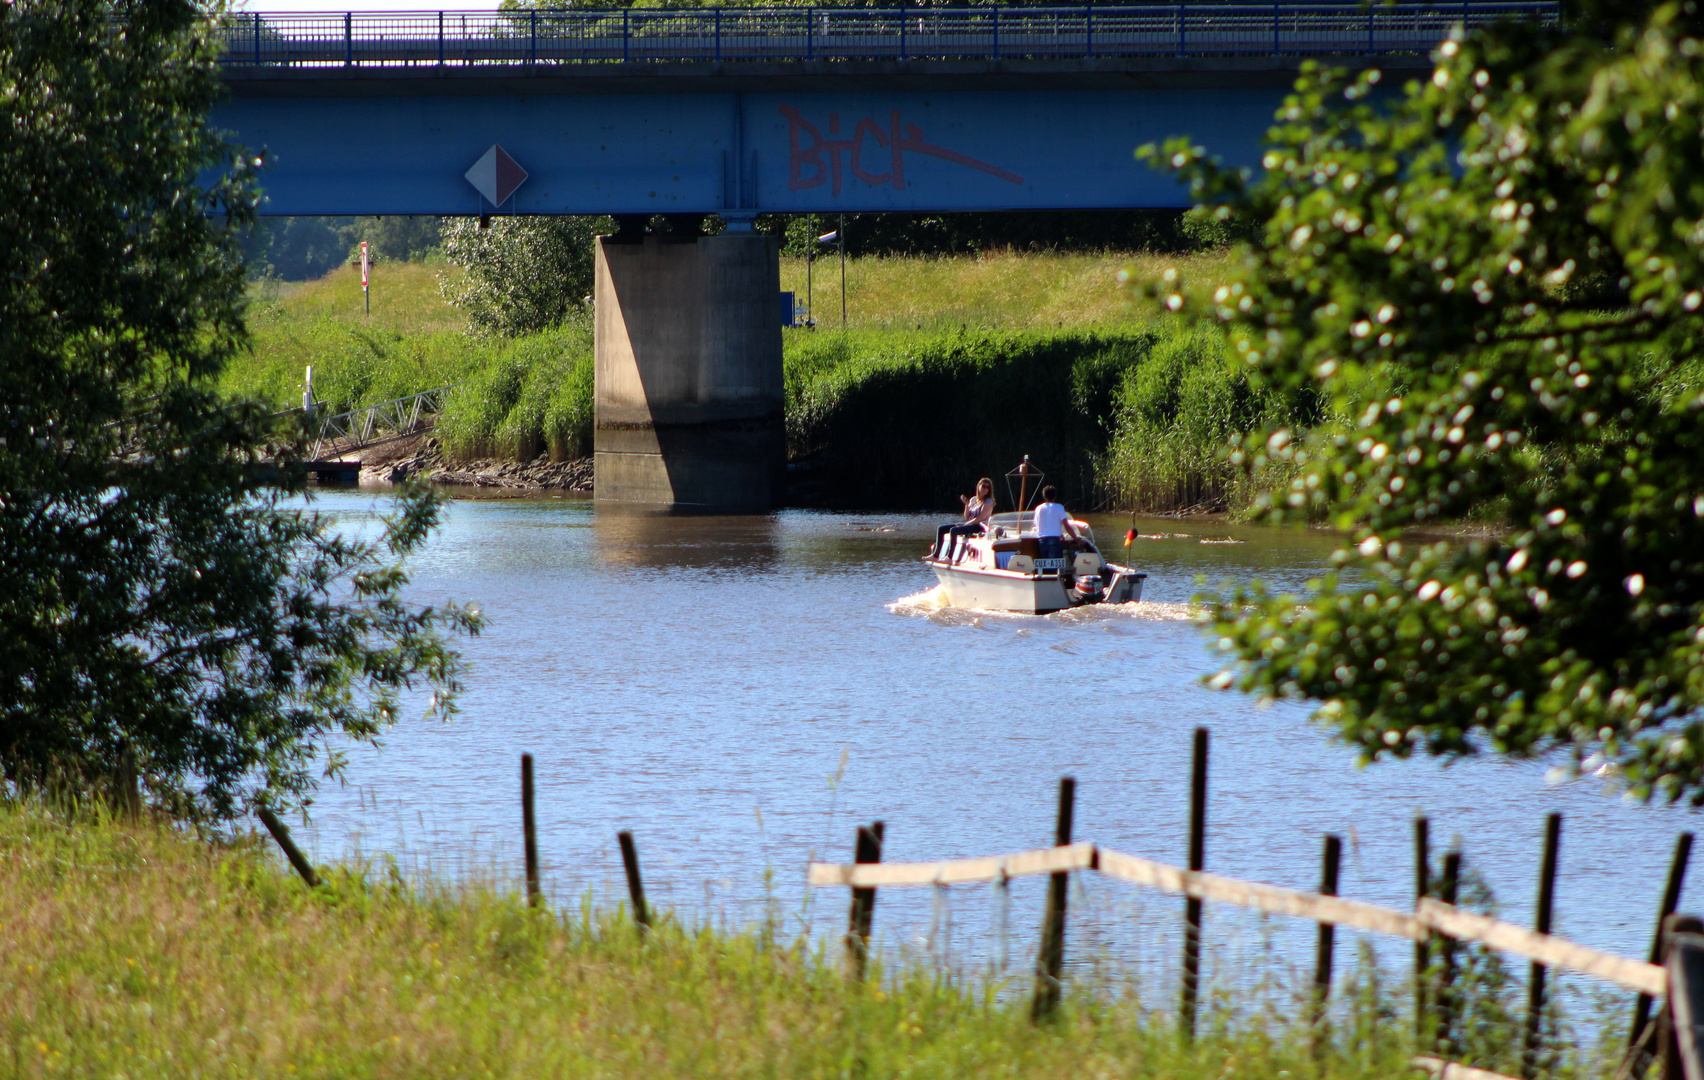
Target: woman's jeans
[{"x": 955, "y": 531}]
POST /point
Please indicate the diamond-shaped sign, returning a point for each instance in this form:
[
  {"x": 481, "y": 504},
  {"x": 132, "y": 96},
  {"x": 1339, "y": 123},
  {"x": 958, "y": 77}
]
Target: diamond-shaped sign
[{"x": 496, "y": 175}]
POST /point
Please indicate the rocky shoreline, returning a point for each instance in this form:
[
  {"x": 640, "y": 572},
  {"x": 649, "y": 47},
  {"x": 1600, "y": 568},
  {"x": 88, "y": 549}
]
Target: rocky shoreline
[{"x": 421, "y": 457}]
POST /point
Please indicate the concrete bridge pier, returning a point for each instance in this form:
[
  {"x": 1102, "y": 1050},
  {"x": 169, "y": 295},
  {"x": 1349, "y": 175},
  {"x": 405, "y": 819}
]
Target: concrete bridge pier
[{"x": 688, "y": 372}]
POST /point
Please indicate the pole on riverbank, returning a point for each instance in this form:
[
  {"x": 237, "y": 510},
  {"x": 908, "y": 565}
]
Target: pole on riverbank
[
  {"x": 1192, "y": 906},
  {"x": 1331, "y": 861},
  {"x": 1535, "y": 982},
  {"x": 291, "y": 851},
  {"x": 529, "y": 829},
  {"x": 1642, "y": 1055},
  {"x": 1446, "y": 1003},
  {"x": 129, "y": 793},
  {"x": 635, "y": 884},
  {"x": 868, "y": 849},
  {"x": 1051, "y": 962},
  {"x": 1422, "y": 948}
]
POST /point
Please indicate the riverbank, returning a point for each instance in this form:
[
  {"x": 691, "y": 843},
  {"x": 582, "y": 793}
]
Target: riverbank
[
  {"x": 420, "y": 457},
  {"x": 138, "y": 951},
  {"x": 949, "y": 368}
]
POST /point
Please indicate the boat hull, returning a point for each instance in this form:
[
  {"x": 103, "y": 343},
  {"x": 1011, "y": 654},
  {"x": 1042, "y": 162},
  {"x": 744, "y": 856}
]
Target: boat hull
[{"x": 1031, "y": 594}]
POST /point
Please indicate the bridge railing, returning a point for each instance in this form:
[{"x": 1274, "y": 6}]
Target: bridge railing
[{"x": 465, "y": 38}]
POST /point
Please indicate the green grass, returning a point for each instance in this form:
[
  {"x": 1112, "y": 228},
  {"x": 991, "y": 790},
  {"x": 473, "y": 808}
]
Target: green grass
[
  {"x": 137, "y": 951},
  {"x": 405, "y": 298},
  {"x": 1003, "y": 290},
  {"x": 515, "y": 398},
  {"x": 952, "y": 368}
]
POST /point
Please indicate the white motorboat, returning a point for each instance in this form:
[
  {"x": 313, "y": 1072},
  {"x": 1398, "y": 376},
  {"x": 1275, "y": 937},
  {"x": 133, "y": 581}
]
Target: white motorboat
[{"x": 1002, "y": 570}]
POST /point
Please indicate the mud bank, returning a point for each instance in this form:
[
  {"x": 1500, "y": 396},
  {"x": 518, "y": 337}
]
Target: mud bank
[{"x": 420, "y": 457}]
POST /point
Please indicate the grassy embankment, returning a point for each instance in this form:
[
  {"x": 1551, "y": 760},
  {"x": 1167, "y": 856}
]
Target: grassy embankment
[
  {"x": 948, "y": 367},
  {"x": 136, "y": 951}
]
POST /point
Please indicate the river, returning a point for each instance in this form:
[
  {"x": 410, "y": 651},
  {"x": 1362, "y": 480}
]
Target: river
[{"x": 742, "y": 692}]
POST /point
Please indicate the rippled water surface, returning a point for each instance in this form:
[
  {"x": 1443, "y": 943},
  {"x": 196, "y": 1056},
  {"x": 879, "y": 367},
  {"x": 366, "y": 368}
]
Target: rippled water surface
[{"x": 742, "y": 692}]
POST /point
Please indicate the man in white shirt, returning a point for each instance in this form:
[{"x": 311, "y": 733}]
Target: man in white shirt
[{"x": 1052, "y": 525}]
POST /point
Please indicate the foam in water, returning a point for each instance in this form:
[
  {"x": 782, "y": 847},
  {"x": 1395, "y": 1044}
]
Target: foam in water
[{"x": 934, "y": 605}]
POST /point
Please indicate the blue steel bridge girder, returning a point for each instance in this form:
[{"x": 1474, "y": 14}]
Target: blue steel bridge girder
[
  {"x": 645, "y": 113},
  {"x": 708, "y": 152}
]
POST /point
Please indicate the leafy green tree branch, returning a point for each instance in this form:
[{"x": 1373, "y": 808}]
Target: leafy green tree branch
[
  {"x": 1495, "y": 280},
  {"x": 169, "y": 600}
]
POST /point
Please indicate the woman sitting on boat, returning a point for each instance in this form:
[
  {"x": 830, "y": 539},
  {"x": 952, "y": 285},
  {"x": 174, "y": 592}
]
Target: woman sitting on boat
[{"x": 978, "y": 509}]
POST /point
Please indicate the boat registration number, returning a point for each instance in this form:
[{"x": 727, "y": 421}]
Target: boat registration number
[{"x": 1050, "y": 564}]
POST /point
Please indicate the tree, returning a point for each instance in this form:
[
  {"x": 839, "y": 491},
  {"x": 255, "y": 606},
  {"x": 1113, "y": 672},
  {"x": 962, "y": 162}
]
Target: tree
[
  {"x": 522, "y": 274},
  {"x": 398, "y": 238},
  {"x": 296, "y": 248},
  {"x": 1495, "y": 279},
  {"x": 167, "y": 602}
]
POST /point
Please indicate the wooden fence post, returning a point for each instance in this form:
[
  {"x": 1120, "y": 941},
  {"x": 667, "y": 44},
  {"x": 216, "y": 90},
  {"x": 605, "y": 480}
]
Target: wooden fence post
[
  {"x": 1683, "y": 1057},
  {"x": 291, "y": 851},
  {"x": 129, "y": 785},
  {"x": 1422, "y": 949},
  {"x": 1192, "y": 906},
  {"x": 1668, "y": 1040},
  {"x": 1642, "y": 1054},
  {"x": 1446, "y": 1003},
  {"x": 1535, "y": 982},
  {"x": 1051, "y": 960},
  {"x": 529, "y": 829},
  {"x": 635, "y": 884},
  {"x": 863, "y": 913},
  {"x": 1330, "y": 862}
]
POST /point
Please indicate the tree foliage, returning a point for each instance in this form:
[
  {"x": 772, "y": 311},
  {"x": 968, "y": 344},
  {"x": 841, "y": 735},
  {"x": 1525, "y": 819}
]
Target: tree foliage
[
  {"x": 522, "y": 273},
  {"x": 304, "y": 248},
  {"x": 1495, "y": 280},
  {"x": 167, "y": 601}
]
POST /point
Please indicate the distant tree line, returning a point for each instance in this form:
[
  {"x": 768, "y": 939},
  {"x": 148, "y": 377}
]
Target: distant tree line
[
  {"x": 303, "y": 248},
  {"x": 1024, "y": 230}
]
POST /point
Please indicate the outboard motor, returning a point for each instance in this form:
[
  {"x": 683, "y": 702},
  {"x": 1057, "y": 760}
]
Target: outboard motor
[{"x": 1087, "y": 589}]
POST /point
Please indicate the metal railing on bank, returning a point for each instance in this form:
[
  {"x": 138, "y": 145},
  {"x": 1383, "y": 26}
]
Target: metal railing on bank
[{"x": 983, "y": 32}]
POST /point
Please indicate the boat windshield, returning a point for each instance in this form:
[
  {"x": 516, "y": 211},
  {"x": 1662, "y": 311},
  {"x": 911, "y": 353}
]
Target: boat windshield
[{"x": 1010, "y": 525}]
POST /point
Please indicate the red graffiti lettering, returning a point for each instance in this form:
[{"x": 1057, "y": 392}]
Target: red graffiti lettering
[{"x": 814, "y": 160}]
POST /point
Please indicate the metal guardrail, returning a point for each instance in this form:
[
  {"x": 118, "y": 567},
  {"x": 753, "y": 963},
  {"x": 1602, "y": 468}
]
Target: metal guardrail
[
  {"x": 374, "y": 424},
  {"x": 533, "y": 37}
]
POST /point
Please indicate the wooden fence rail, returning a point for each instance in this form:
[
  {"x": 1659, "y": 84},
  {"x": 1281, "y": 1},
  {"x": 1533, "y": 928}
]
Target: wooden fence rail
[{"x": 1429, "y": 917}]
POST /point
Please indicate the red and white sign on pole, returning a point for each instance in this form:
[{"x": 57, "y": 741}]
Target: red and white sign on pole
[{"x": 363, "y": 266}]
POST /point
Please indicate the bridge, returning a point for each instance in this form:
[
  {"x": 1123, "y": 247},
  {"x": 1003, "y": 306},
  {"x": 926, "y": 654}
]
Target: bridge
[
  {"x": 788, "y": 110},
  {"x": 742, "y": 111}
]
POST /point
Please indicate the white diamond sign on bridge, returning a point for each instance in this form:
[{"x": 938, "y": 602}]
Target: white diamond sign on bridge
[{"x": 496, "y": 175}]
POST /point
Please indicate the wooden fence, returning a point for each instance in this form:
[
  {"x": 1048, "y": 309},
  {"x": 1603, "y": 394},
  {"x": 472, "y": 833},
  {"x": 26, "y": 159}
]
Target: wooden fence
[
  {"x": 1674, "y": 972},
  {"x": 1435, "y": 925}
]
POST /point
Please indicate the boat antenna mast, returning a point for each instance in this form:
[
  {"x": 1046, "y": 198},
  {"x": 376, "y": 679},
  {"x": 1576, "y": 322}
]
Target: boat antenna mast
[{"x": 1024, "y": 472}]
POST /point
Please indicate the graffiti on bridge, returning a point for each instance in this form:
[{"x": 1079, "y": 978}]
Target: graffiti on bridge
[{"x": 815, "y": 159}]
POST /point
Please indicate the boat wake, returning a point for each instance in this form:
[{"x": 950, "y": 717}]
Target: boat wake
[{"x": 932, "y": 604}]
